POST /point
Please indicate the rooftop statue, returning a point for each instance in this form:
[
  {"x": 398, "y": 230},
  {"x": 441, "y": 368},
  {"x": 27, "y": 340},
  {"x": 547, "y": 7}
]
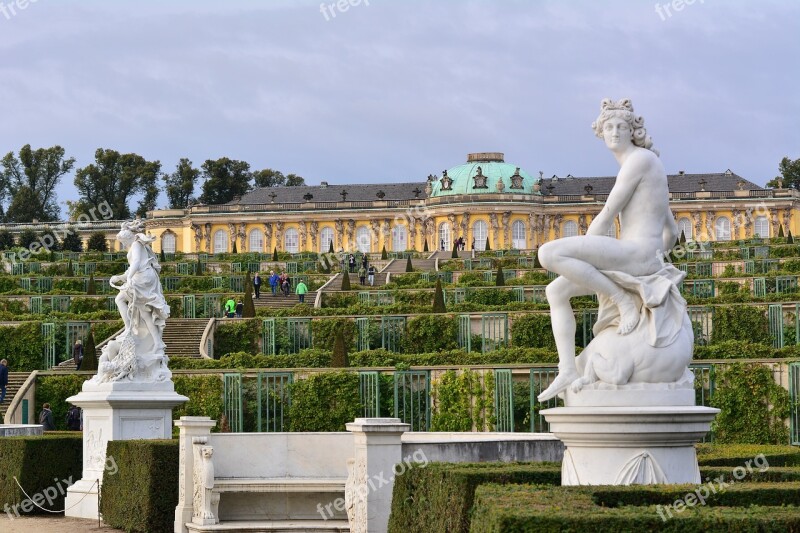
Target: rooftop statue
[
  {"x": 138, "y": 353},
  {"x": 643, "y": 333}
]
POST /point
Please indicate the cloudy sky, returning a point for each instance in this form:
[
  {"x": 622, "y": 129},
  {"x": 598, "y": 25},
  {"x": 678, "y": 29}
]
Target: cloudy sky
[{"x": 394, "y": 90}]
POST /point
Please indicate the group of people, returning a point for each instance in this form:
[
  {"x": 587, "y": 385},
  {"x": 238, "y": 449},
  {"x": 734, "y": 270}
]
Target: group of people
[
  {"x": 277, "y": 282},
  {"x": 73, "y": 419},
  {"x": 460, "y": 244}
]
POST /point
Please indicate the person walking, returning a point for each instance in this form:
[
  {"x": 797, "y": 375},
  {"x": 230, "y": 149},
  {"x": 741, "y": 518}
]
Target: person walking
[
  {"x": 301, "y": 291},
  {"x": 274, "y": 279},
  {"x": 371, "y": 275},
  {"x": 77, "y": 354},
  {"x": 46, "y": 418},
  {"x": 230, "y": 308},
  {"x": 364, "y": 261},
  {"x": 362, "y": 274},
  {"x": 239, "y": 309},
  {"x": 3, "y": 379},
  {"x": 257, "y": 285},
  {"x": 74, "y": 416}
]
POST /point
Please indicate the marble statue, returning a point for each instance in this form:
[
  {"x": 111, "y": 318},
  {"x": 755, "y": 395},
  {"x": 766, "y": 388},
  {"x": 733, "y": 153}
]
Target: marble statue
[
  {"x": 643, "y": 333},
  {"x": 138, "y": 353}
]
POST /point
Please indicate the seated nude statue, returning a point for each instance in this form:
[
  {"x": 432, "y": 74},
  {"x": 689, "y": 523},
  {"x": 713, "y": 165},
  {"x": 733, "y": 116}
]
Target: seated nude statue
[{"x": 594, "y": 263}]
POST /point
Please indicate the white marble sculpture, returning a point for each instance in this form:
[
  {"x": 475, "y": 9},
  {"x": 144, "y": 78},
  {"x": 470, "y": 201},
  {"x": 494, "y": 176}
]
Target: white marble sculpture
[
  {"x": 643, "y": 334},
  {"x": 138, "y": 353}
]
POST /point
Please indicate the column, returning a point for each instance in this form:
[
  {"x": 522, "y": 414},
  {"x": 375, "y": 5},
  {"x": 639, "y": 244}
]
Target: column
[{"x": 190, "y": 428}]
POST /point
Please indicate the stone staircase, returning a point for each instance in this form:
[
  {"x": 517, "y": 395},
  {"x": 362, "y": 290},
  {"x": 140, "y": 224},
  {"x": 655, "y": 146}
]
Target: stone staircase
[
  {"x": 280, "y": 301},
  {"x": 183, "y": 335},
  {"x": 15, "y": 381},
  {"x": 444, "y": 255},
  {"x": 398, "y": 266},
  {"x": 336, "y": 284}
]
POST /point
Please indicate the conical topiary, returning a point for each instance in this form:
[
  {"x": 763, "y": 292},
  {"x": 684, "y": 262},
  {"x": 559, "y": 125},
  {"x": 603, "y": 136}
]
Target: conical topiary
[
  {"x": 234, "y": 250},
  {"x": 69, "y": 268},
  {"x": 789, "y": 238},
  {"x": 345, "y": 280},
  {"x": 249, "y": 308},
  {"x": 438, "y": 298},
  {"x": 780, "y": 231},
  {"x": 500, "y": 278},
  {"x": 409, "y": 266},
  {"x": 326, "y": 266},
  {"x": 275, "y": 254},
  {"x": 330, "y": 247},
  {"x": 339, "y": 357},
  {"x": 384, "y": 255},
  {"x": 425, "y": 248},
  {"x": 89, "y": 353},
  {"x": 454, "y": 255},
  {"x": 536, "y": 263},
  {"x": 90, "y": 286},
  {"x": 682, "y": 238},
  {"x": 162, "y": 257},
  {"x": 488, "y": 246}
]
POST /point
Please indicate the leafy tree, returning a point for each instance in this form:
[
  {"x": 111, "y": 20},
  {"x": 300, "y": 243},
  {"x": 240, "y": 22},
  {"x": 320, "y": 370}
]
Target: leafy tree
[
  {"x": 269, "y": 178},
  {"x": 68, "y": 272},
  {"x": 26, "y": 238},
  {"x": 180, "y": 184},
  {"x": 72, "y": 241},
  {"x": 30, "y": 179},
  {"x": 6, "y": 240},
  {"x": 293, "y": 180},
  {"x": 790, "y": 174},
  {"x": 114, "y": 178},
  {"x": 97, "y": 242},
  {"x": 49, "y": 240},
  {"x": 224, "y": 179},
  {"x": 438, "y": 298}
]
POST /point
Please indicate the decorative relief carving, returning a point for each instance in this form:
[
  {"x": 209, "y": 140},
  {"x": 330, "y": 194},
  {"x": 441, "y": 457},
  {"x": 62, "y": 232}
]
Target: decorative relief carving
[
  {"x": 507, "y": 228},
  {"x": 516, "y": 180},
  {"x": 447, "y": 183},
  {"x": 480, "y": 179}
]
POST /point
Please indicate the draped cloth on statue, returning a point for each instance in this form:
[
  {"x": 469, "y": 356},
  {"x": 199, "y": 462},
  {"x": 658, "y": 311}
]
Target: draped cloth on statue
[
  {"x": 663, "y": 306},
  {"x": 143, "y": 290}
]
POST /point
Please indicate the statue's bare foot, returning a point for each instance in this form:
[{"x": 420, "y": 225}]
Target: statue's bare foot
[
  {"x": 559, "y": 385},
  {"x": 628, "y": 314}
]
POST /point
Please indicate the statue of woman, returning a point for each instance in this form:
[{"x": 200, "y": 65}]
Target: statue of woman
[{"x": 617, "y": 270}]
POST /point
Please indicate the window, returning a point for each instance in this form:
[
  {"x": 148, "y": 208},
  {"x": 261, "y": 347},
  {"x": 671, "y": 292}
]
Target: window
[
  {"x": 256, "y": 243},
  {"x": 290, "y": 241},
  {"x": 168, "y": 243},
  {"x": 220, "y": 241},
  {"x": 761, "y": 227},
  {"x": 723, "y": 229},
  {"x": 364, "y": 239},
  {"x": 685, "y": 226},
  {"x": 444, "y": 236},
  {"x": 399, "y": 239},
  {"x": 325, "y": 239},
  {"x": 570, "y": 229},
  {"x": 479, "y": 233},
  {"x": 518, "y": 235}
]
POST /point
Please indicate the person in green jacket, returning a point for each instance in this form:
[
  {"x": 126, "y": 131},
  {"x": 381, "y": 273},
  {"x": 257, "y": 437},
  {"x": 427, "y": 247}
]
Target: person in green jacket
[
  {"x": 230, "y": 308},
  {"x": 301, "y": 291}
]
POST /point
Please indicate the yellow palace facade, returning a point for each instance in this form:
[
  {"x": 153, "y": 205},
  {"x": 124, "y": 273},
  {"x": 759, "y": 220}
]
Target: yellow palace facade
[{"x": 485, "y": 201}]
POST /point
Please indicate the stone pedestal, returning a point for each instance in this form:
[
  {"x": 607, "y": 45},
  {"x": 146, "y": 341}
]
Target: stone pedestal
[
  {"x": 626, "y": 445},
  {"x": 191, "y": 427},
  {"x": 378, "y": 448},
  {"x": 116, "y": 411}
]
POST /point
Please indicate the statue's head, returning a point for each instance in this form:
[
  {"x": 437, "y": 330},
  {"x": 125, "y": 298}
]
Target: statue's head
[
  {"x": 132, "y": 230},
  {"x": 622, "y": 110},
  {"x": 207, "y": 451}
]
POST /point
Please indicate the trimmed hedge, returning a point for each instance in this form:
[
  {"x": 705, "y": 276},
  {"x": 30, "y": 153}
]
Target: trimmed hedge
[
  {"x": 36, "y": 462},
  {"x": 733, "y": 455},
  {"x": 440, "y": 496},
  {"x": 522, "y": 508},
  {"x": 325, "y": 402},
  {"x": 143, "y": 494}
]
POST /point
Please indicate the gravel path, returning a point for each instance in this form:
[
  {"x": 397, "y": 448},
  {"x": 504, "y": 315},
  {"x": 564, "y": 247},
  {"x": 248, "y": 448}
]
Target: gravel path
[{"x": 47, "y": 524}]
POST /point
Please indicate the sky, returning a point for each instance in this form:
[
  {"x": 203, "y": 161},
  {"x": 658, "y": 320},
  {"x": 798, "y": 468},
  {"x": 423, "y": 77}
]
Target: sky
[{"x": 394, "y": 90}]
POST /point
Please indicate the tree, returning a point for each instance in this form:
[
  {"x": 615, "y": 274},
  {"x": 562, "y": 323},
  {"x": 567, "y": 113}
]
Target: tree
[
  {"x": 162, "y": 257},
  {"x": 180, "y": 184},
  {"x": 68, "y": 272},
  {"x": 26, "y": 238},
  {"x": 49, "y": 241},
  {"x": 224, "y": 179},
  {"x": 384, "y": 255},
  {"x": 345, "y": 280},
  {"x": 233, "y": 249},
  {"x": 113, "y": 179},
  {"x": 89, "y": 353},
  {"x": 682, "y": 239},
  {"x": 425, "y": 248},
  {"x": 275, "y": 254},
  {"x": 6, "y": 240},
  {"x": 249, "y": 308},
  {"x": 438, "y": 298},
  {"x": 330, "y": 247},
  {"x": 31, "y": 180},
  {"x": 97, "y": 242},
  {"x": 72, "y": 241},
  {"x": 500, "y": 278},
  {"x": 409, "y": 266},
  {"x": 789, "y": 238},
  {"x": 269, "y": 178},
  {"x": 454, "y": 254},
  {"x": 339, "y": 357},
  {"x": 90, "y": 286},
  {"x": 790, "y": 174},
  {"x": 488, "y": 246},
  {"x": 780, "y": 231},
  {"x": 536, "y": 262},
  {"x": 293, "y": 180}
]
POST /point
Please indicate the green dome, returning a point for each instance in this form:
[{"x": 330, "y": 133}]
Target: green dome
[{"x": 481, "y": 174}]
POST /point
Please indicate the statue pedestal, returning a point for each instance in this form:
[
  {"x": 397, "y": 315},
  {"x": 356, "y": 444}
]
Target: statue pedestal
[
  {"x": 116, "y": 411},
  {"x": 629, "y": 445}
]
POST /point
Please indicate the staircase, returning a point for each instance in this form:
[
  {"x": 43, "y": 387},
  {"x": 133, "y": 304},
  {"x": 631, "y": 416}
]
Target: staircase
[
  {"x": 280, "y": 301},
  {"x": 182, "y": 336},
  {"x": 15, "y": 381},
  {"x": 398, "y": 266},
  {"x": 444, "y": 255}
]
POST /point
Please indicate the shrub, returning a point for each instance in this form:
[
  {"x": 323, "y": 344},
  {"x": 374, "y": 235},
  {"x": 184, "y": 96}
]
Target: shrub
[
  {"x": 89, "y": 353},
  {"x": 143, "y": 494},
  {"x": 345, "y": 281},
  {"x": 384, "y": 255},
  {"x": 23, "y": 346},
  {"x": 204, "y": 393},
  {"x": 97, "y": 242},
  {"x": 39, "y": 463},
  {"x": 325, "y": 402},
  {"x": 339, "y": 357},
  {"x": 7, "y": 240},
  {"x": 438, "y": 298},
  {"x": 237, "y": 336},
  {"x": 249, "y": 307},
  {"x": 431, "y": 333},
  {"x": 409, "y": 266},
  {"x": 500, "y": 279},
  {"x": 26, "y": 238},
  {"x": 741, "y": 323},
  {"x": 533, "y": 331}
]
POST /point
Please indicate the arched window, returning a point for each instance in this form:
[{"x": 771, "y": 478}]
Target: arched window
[
  {"x": 723, "y": 229},
  {"x": 761, "y": 227},
  {"x": 518, "y": 235},
  {"x": 479, "y": 232},
  {"x": 444, "y": 237},
  {"x": 685, "y": 226},
  {"x": 399, "y": 239},
  {"x": 325, "y": 239},
  {"x": 256, "y": 243},
  {"x": 168, "y": 243},
  {"x": 570, "y": 229},
  {"x": 290, "y": 241},
  {"x": 220, "y": 241},
  {"x": 364, "y": 239}
]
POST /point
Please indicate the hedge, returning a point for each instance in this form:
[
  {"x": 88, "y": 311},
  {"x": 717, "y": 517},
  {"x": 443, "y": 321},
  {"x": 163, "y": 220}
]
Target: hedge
[
  {"x": 23, "y": 346},
  {"x": 325, "y": 402},
  {"x": 522, "y": 508},
  {"x": 741, "y": 323},
  {"x": 440, "y": 496},
  {"x": 143, "y": 494},
  {"x": 37, "y": 462},
  {"x": 733, "y": 455},
  {"x": 237, "y": 336}
]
